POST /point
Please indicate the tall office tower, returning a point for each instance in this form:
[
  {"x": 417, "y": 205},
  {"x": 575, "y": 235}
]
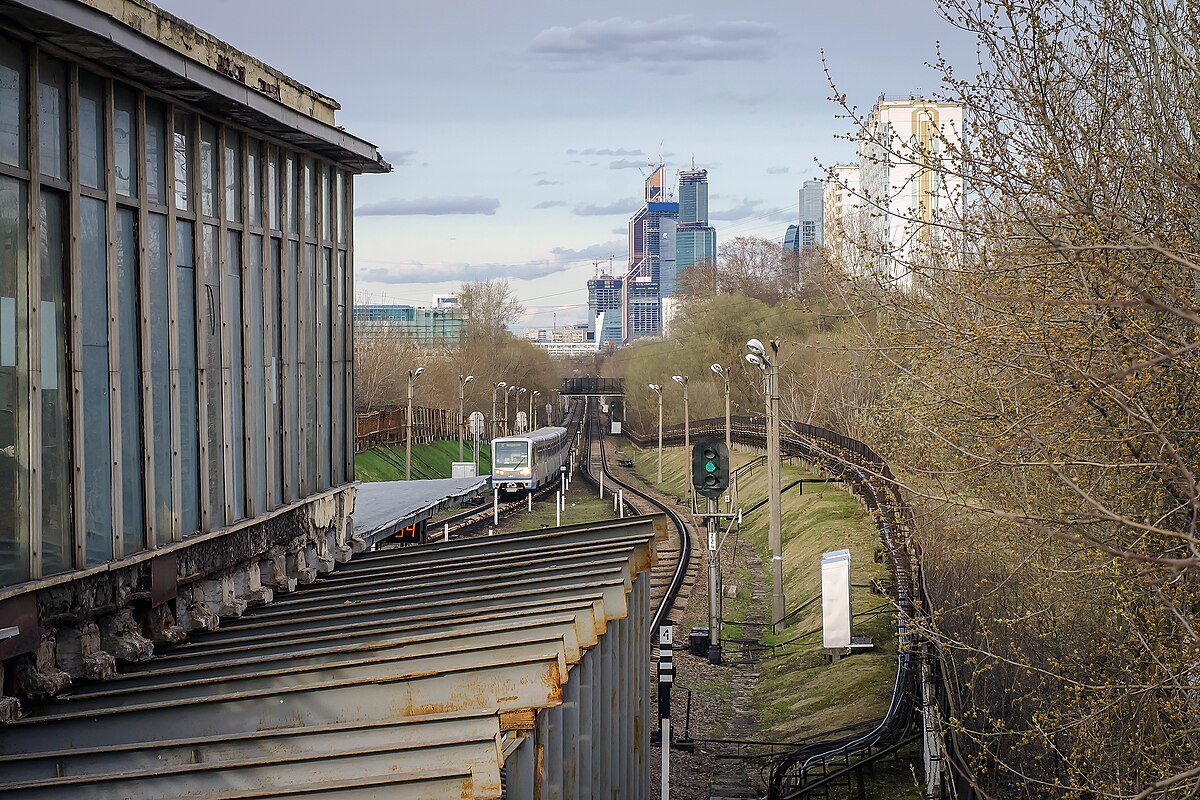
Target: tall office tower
[
  {"x": 641, "y": 287},
  {"x": 791, "y": 239},
  {"x": 812, "y": 214},
  {"x": 695, "y": 239},
  {"x": 902, "y": 156},
  {"x": 604, "y": 295}
]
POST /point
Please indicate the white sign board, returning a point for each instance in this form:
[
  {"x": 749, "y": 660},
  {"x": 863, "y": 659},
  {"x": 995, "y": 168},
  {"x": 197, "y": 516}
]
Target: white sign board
[
  {"x": 835, "y": 599},
  {"x": 616, "y": 428},
  {"x": 462, "y": 469},
  {"x": 475, "y": 423},
  {"x": 522, "y": 420}
]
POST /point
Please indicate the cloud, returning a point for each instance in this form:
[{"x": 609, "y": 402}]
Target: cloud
[
  {"x": 605, "y": 151},
  {"x": 544, "y": 182},
  {"x": 560, "y": 260},
  {"x": 624, "y": 207},
  {"x": 675, "y": 41},
  {"x": 398, "y": 158},
  {"x": 625, "y": 163},
  {"x": 429, "y": 206},
  {"x": 551, "y": 203},
  {"x": 744, "y": 209},
  {"x": 777, "y": 170}
]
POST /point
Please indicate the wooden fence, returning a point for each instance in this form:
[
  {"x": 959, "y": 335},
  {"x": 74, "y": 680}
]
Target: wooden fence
[{"x": 381, "y": 428}]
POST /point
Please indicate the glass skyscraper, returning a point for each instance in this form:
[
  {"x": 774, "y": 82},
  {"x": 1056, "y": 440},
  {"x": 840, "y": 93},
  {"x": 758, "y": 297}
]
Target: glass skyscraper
[
  {"x": 641, "y": 289},
  {"x": 695, "y": 239}
]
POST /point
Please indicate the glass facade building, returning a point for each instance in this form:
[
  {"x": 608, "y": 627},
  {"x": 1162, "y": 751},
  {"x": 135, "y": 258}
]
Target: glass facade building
[
  {"x": 427, "y": 327},
  {"x": 695, "y": 239},
  {"x": 641, "y": 313},
  {"x": 175, "y": 347}
]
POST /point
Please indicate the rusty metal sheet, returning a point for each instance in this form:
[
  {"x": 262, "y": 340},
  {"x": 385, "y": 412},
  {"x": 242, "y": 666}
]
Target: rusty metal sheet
[
  {"x": 164, "y": 574},
  {"x": 19, "y": 627}
]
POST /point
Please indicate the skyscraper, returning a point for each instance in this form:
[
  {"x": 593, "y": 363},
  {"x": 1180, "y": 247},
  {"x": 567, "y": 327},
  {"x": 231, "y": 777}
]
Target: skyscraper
[
  {"x": 695, "y": 239},
  {"x": 641, "y": 287},
  {"x": 812, "y": 214},
  {"x": 604, "y": 297}
]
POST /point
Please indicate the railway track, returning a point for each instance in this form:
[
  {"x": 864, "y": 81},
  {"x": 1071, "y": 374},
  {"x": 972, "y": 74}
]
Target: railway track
[{"x": 674, "y": 574}]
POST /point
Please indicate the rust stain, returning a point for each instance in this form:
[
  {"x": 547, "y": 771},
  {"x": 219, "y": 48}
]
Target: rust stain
[{"x": 517, "y": 720}]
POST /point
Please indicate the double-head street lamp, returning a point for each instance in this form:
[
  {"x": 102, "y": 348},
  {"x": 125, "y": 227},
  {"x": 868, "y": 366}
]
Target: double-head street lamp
[
  {"x": 517, "y": 405},
  {"x": 532, "y": 420},
  {"x": 495, "y": 386},
  {"x": 687, "y": 426},
  {"x": 463, "y": 380},
  {"x": 724, "y": 373},
  {"x": 507, "y": 388},
  {"x": 768, "y": 364},
  {"x": 412, "y": 377},
  {"x": 657, "y": 389}
]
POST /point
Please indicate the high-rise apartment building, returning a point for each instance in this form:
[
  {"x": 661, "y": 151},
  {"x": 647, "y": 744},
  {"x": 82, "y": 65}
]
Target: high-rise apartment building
[
  {"x": 695, "y": 239},
  {"x": 641, "y": 287},
  {"x": 604, "y": 296},
  {"x": 843, "y": 212},
  {"x": 902, "y": 160}
]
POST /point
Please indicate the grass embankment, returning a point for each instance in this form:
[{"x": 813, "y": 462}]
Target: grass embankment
[
  {"x": 428, "y": 461},
  {"x": 798, "y": 693}
]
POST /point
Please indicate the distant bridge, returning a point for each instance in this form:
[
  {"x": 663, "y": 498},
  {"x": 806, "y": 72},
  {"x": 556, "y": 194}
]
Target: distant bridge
[{"x": 591, "y": 386}]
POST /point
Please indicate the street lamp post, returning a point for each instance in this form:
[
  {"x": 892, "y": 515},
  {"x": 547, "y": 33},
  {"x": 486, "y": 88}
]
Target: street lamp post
[
  {"x": 517, "y": 405},
  {"x": 412, "y": 377},
  {"x": 532, "y": 422},
  {"x": 768, "y": 363},
  {"x": 463, "y": 380},
  {"x": 719, "y": 370},
  {"x": 657, "y": 389},
  {"x": 507, "y": 427},
  {"x": 687, "y": 432},
  {"x": 495, "y": 386}
]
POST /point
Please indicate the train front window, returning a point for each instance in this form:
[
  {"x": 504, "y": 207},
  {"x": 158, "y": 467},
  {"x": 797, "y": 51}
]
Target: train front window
[{"x": 511, "y": 454}]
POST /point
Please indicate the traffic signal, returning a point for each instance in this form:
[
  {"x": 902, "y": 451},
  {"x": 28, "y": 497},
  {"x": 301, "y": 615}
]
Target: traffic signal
[
  {"x": 615, "y": 410},
  {"x": 710, "y": 467}
]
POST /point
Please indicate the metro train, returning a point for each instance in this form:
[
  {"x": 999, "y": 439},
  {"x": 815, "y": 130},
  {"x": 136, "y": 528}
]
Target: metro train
[{"x": 524, "y": 463}]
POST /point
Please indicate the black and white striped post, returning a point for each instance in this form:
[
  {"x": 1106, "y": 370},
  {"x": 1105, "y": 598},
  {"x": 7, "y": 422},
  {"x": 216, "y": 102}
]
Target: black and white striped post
[{"x": 666, "y": 676}]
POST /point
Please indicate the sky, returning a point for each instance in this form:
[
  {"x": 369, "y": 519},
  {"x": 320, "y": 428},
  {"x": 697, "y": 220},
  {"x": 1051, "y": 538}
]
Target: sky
[{"x": 520, "y": 132}]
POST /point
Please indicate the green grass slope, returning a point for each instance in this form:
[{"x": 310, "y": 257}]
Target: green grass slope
[{"x": 429, "y": 461}]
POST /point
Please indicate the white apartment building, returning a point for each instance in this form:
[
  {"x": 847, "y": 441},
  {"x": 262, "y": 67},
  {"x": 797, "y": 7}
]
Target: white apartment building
[
  {"x": 843, "y": 211},
  {"x": 906, "y": 182}
]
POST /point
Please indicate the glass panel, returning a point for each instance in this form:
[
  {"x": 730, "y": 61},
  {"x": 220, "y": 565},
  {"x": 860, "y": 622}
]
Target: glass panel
[
  {"x": 291, "y": 306},
  {"x": 235, "y": 373},
  {"x": 326, "y": 205},
  {"x": 254, "y": 181},
  {"x": 158, "y": 271},
  {"x": 55, "y": 442},
  {"x": 208, "y": 169},
  {"x": 183, "y": 162},
  {"x": 213, "y": 402},
  {"x": 14, "y": 372},
  {"x": 125, "y": 141},
  {"x": 293, "y": 196},
  {"x": 156, "y": 154},
  {"x": 273, "y": 200},
  {"x": 91, "y": 130},
  {"x": 275, "y": 307},
  {"x": 189, "y": 424},
  {"x": 12, "y": 103},
  {"x": 338, "y": 414},
  {"x": 93, "y": 314},
  {"x": 340, "y": 211},
  {"x": 233, "y": 176},
  {"x": 256, "y": 417},
  {"x": 133, "y": 536},
  {"x": 325, "y": 383},
  {"x": 52, "y": 117},
  {"x": 309, "y": 388},
  {"x": 310, "y": 219}
]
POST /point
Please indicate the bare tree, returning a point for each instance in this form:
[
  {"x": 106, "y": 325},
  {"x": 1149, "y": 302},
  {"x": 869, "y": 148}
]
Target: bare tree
[{"x": 489, "y": 307}]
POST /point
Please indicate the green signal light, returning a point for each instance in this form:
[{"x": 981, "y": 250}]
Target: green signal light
[{"x": 710, "y": 467}]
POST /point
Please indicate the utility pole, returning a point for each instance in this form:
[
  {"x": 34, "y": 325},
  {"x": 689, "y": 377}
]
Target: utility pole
[
  {"x": 714, "y": 584},
  {"x": 412, "y": 377},
  {"x": 769, "y": 364},
  {"x": 463, "y": 380},
  {"x": 657, "y": 389}
]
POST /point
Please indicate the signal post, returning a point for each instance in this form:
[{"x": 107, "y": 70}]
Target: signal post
[{"x": 710, "y": 479}]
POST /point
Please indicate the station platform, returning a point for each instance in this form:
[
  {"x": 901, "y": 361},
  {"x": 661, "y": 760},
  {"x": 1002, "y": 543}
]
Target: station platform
[{"x": 385, "y": 508}]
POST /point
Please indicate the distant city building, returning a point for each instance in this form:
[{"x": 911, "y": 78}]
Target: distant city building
[
  {"x": 670, "y": 307},
  {"x": 695, "y": 239},
  {"x": 812, "y": 215},
  {"x": 567, "y": 349},
  {"x": 432, "y": 328},
  {"x": 607, "y": 325},
  {"x": 604, "y": 295},
  {"x": 445, "y": 301},
  {"x": 642, "y": 284},
  {"x": 791, "y": 239},
  {"x": 901, "y": 157},
  {"x": 842, "y": 212}
]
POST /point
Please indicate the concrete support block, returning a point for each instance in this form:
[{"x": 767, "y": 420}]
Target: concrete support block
[
  {"x": 221, "y": 594},
  {"x": 248, "y": 585},
  {"x": 275, "y": 573},
  {"x": 324, "y": 554},
  {"x": 195, "y": 612},
  {"x": 338, "y": 548},
  {"x": 163, "y": 627},
  {"x": 38, "y": 674},
  {"x": 122, "y": 637},
  {"x": 81, "y": 655},
  {"x": 10, "y": 707},
  {"x": 299, "y": 566}
]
